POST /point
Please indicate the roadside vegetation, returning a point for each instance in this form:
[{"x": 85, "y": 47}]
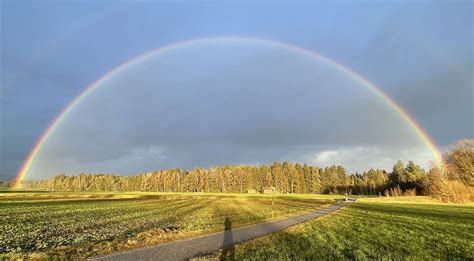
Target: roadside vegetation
[
  {"x": 378, "y": 228},
  {"x": 79, "y": 225}
]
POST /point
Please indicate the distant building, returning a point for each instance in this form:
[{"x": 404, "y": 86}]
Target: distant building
[
  {"x": 270, "y": 190},
  {"x": 251, "y": 191}
]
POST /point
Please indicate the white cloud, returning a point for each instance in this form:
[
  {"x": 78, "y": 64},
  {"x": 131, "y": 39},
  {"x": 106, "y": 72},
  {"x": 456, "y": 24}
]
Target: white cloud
[
  {"x": 325, "y": 156},
  {"x": 362, "y": 158}
]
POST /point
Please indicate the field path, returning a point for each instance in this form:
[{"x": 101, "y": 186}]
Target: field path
[{"x": 187, "y": 248}]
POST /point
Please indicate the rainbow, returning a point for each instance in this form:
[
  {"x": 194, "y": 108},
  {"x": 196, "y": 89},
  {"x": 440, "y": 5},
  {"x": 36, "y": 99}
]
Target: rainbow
[{"x": 414, "y": 126}]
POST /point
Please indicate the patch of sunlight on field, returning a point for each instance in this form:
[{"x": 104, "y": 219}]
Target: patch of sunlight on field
[
  {"x": 404, "y": 199},
  {"x": 408, "y": 200},
  {"x": 41, "y": 195}
]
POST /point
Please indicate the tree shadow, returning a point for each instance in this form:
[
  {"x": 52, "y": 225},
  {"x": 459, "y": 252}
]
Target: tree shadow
[{"x": 228, "y": 249}]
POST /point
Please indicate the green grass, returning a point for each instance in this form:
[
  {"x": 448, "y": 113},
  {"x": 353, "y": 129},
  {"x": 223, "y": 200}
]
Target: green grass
[
  {"x": 39, "y": 224},
  {"x": 374, "y": 229}
]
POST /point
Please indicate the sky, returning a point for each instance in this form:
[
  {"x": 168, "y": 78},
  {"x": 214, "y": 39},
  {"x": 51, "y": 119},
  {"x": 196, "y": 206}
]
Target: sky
[{"x": 231, "y": 102}]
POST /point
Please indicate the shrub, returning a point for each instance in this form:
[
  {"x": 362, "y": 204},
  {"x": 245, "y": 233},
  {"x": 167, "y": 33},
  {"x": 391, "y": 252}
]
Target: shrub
[
  {"x": 409, "y": 192},
  {"x": 460, "y": 162},
  {"x": 398, "y": 192},
  {"x": 449, "y": 191},
  {"x": 394, "y": 192}
]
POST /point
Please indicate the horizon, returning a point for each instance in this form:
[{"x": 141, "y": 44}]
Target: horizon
[{"x": 387, "y": 171}]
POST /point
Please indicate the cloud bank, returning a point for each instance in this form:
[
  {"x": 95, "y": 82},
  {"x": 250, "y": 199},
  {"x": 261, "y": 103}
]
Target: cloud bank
[{"x": 236, "y": 102}]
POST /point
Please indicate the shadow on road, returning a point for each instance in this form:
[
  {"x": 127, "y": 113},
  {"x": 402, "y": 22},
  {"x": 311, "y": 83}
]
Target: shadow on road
[{"x": 228, "y": 249}]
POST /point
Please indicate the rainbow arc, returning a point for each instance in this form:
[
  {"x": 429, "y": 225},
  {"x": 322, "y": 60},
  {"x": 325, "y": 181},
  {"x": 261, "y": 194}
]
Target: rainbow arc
[{"x": 403, "y": 114}]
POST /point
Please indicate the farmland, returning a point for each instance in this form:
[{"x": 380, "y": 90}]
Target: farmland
[
  {"x": 83, "y": 224},
  {"x": 376, "y": 228},
  {"x": 56, "y": 224}
]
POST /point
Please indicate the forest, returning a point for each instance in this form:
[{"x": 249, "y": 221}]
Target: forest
[{"x": 452, "y": 182}]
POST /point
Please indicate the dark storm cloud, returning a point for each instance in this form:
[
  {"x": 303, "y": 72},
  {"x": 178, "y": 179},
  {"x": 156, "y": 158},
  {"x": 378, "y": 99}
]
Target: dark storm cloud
[
  {"x": 425, "y": 61},
  {"x": 420, "y": 53},
  {"x": 219, "y": 103}
]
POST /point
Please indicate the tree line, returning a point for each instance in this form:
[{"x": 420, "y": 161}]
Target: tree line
[{"x": 457, "y": 176}]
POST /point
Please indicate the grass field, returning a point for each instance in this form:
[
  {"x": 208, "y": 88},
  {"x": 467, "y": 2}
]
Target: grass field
[
  {"x": 38, "y": 224},
  {"x": 378, "y": 228},
  {"x": 41, "y": 224}
]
